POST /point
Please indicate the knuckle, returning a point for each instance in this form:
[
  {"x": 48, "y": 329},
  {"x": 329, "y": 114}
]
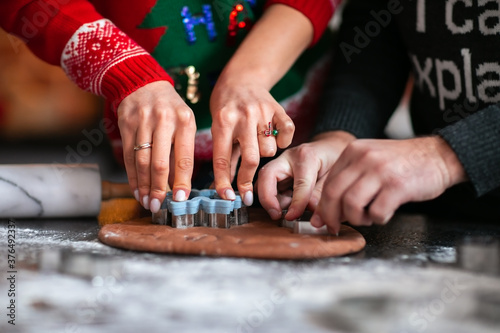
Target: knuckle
[
  {"x": 131, "y": 120},
  {"x": 354, "y": 220},
  {"x": 371, "y": 156},
  {"x": 221, "y": 164},
  {"x": 264, "y": 172},
  {"x": 377, "y": 215},
  {"x": 125, "y": 122},
  {"x": 142, "y": 112},
  {"x": 185, "y": 164},
  {"x": 299, "y": 183},
  {"x": 245, "y": 185},
  {"x": 330, "y": 195},
  {"x": 224, "y": 118},
  {"x": 288, "y": 127},
  {"x": 222, "y": 111},
  {"x": 380, "y": 167},
  {"x": 142, "y": 162},
  {"x": 356, "y": 147},
  {"x": 304, "y": 152},
  {"x": 185, "y": 116},
  {"x": 253, "y": 107},
  {"x": 251, "y": 160},
  {"x": 351, "y": 201},
  {"x": 144, "y": 187},
  {"x": 129, "y": 159},
  {"x": 316, "y": 194},
  {"x": 160, "y": 165},
  {"x": 157, "y": 191},
  {"x": 397, "y": 183},
  {"x": 350, "y": 149},
  {"x": 267, "y": 152},
  {"x": 365, "y": 220}
]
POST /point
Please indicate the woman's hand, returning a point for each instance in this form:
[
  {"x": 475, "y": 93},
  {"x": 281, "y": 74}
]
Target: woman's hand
[
  {"x": 241, "y": 114},
  {"x": 241, "y": 105},
  {"x": 156, "y": 114}
]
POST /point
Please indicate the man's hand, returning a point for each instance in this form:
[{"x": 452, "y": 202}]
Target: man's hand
[{"x": 372, "y": 178}]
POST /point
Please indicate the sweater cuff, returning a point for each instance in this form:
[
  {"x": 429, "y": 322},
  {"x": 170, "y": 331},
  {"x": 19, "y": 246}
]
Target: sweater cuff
[
  {"x": 350, "y": 112},
  {"x": 475, "y": 139},
  {"x": 318, "y": 12},
  {"x": 127, "y": 76},
  {"x": 102, "y": 59}
]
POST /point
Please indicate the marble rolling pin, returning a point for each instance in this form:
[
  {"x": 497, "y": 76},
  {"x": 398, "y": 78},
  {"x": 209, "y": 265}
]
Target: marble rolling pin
[{"x": 54, "y": 190}]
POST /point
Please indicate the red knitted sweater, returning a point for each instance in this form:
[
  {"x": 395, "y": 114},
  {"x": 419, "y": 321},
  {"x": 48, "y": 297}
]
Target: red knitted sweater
[{"x": 110, "y": 59}]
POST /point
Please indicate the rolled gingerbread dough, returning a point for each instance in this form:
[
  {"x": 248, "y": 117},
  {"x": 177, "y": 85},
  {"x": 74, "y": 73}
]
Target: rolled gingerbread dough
[{"x": 262, "y": 238}]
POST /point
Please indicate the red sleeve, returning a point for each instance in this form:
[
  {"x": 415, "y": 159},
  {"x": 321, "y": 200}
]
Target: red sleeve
[
  {"x": 45, "y": 25},
  {"x": 319, "y": 12},
  {"x": 93, "y": 52}
]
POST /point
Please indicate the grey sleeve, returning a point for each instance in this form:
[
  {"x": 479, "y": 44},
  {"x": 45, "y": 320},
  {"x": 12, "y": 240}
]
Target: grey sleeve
[
  {"x": 368, "y": 75},
  {"x": 476, "y": 141}
]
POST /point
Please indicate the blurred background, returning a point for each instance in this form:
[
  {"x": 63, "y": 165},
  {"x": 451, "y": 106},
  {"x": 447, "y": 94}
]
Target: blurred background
[
  {"x": 44, "y": 116},
  {"x": 37, "y": 100}
]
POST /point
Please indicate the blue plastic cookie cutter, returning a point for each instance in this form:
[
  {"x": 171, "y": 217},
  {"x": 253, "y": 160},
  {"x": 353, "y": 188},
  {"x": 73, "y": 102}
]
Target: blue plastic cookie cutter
[{"x": 203, "y": 208}]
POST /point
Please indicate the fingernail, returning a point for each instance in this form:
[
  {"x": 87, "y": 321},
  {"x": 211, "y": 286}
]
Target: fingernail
[
  {"x": 316, "y": 221},
  {"x": 274, "y": 214},
  {"x": 387, "y": 218},
  {"x": 248, "y": 198},
  {"x": 145, "y": 201},
  {"x": 136, "y": 195},
  {"x": 314, "y": 203},
  {"x": 337, "y": 234},
  {"x": 180, "y": 196},
  {"x": 155, "y": 205},
  {"x": 230, "y": 194},
  {"x": 290, "y": 212}
]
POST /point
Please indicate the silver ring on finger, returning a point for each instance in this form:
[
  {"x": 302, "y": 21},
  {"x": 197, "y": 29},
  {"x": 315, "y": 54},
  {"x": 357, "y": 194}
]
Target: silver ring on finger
[{"x": 143, "y": 146}]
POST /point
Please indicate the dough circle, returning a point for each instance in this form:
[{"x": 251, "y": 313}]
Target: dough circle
[{"x": 261, "y": 239}]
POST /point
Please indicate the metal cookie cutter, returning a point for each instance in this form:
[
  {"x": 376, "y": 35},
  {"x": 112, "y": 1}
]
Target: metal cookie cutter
[
  {"x": 204, "y": 208},
  {"x": 302, "y": 225}
]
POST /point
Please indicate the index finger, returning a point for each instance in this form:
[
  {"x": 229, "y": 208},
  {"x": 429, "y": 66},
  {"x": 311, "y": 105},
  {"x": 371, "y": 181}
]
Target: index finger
[
  {"x": 329, "y": 209},
  {"x": 267, "y": 182},
  {"x": 183, "y": 161},
  {"x": 249, "y": 163},
  {"x": 223, "y": 144},
  {"x": 128, "y": 142},
  {"x": 304, "y": 180}
]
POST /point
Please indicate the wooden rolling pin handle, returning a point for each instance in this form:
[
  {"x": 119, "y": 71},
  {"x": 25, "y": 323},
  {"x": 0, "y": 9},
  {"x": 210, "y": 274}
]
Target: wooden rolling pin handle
[{"x": 115, "y": 190}]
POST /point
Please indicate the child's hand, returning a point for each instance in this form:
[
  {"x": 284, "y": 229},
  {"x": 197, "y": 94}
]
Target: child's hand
[
  {"x": 240, "y": 117},
  {"x": 295, "y": 179},
  {"x": 156, "y": 114}
]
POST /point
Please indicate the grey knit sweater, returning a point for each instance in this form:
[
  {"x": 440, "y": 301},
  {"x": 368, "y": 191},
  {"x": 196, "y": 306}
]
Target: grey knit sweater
[{"x": 452, "y": 51}]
